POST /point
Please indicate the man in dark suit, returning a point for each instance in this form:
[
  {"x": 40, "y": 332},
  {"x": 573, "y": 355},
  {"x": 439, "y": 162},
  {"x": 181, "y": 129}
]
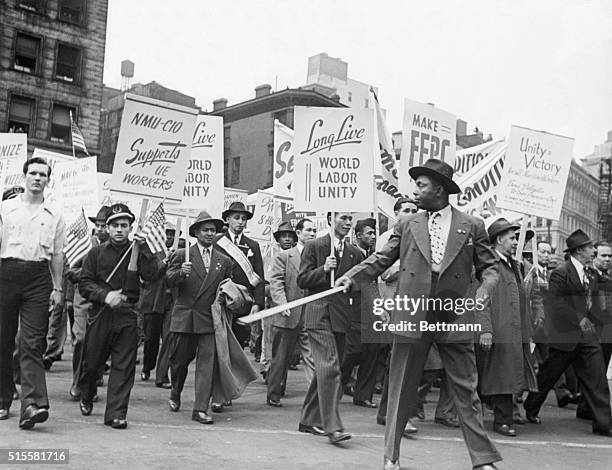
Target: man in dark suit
[
  {"x": 438, "y": 249},
  {"x": 571, "y": 327},
  {"x": 327, "y": 322},
  {"x": 192, "y": 323}
]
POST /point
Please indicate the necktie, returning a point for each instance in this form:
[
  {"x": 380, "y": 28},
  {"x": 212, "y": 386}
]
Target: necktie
[
  {"x": 340, "y": 248},
  {"x": 435, "y": 238},
  {"x": 585, "y": 283},
  {"x": 206, "y": 258}
]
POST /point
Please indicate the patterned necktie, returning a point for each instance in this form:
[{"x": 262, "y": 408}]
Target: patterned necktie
[
  {"x": 340, "y": 248},
  {"x": 585, "y": 283},
  {"x": 206, "y": 258},
  {"x": 435, "y": 238}
]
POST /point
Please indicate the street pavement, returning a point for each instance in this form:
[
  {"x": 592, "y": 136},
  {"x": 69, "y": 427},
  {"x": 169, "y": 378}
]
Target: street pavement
[{"x": 252, "y": 435}]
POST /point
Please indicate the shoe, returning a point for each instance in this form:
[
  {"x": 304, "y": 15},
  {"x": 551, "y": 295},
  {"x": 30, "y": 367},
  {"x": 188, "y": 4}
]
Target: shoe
[
  {"x": 47, "y": 363},
  {"x": 575, "y": 398},
  {"x": 410, "y": 429},
  {"x": 227, "y": 403},
  {"x": 391, "y": 465},
  {"x": 75, "y": 393},
  {"x": 487, "y": 466},
  {"x": 421, "y": 415},
  {"x": 603, "y": 432},
  {"x": 535, "y": 419},
  {"x": 175, "y": 401},
  {"x": 293, "y": 367},
  {"x": 107, "y": 367},
  {"x": 118, "y": 423},
  {"x": 32, "y": 415},
  {"x": 382, "y": 420},
  {"x": 100, "y": 382},
  {"x": 201, "y": 417},
  {"x": 144, "y": 375},
  {"x": 95, "y": 398},
  {"x": 378, "y": 389},
  {"x": 316, "y": 430},
  {"x": 338, "y": 436},
  {"x": 349, "y": 390},
  {"x": 86, "y": 408},
  {"x": 505, "y": 430},
  {"x": 165, "y": 385},
  {"x": 216, "y": 407},
  {"x": 448, "y": 422},
  {"x": 518, "y": 420},
  {"x": 519, "y": 398},
  {"x": 4, "y": 413},
  {"x": 564, "y": 401},
  {"x": 582, "y": 414},
  {"x": 365, "y": 403},
  {"x": 15, "y": 395},
  {"x": 275, "y": 403}
]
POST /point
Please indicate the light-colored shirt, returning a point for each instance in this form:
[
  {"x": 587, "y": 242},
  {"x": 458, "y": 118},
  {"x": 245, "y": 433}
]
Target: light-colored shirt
[
  {"x": 503, "y": 257},
  {"x": 30, "y": 236},
  {"x": 580, "y": 268},
  {"x": 300, "y": 247},
  {"x": 236, "y": 239}
]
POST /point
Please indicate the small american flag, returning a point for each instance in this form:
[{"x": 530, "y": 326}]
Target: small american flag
[
  {"x": 78, "y": 241},
  {"x": 154, "y": 230},
  {"x": 77, "y": 137}
]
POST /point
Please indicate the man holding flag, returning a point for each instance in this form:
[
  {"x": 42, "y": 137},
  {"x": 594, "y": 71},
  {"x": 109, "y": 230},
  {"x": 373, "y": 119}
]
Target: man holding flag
[{"x": 113, "y": 291}]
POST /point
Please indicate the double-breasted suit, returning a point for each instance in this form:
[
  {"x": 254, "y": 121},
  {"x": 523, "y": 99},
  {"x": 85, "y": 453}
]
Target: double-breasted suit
[
  {"x": 467, "y": 251},
  {"x": 327, "y": 322},
  {"x": 191, "y": 323}
]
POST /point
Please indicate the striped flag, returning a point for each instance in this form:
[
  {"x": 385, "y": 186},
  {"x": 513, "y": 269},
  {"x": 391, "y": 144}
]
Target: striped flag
[
  {"x": 77, "y": 137},
  {"x": 154, "y": 230},
  {"x": 78, "y": 241}
]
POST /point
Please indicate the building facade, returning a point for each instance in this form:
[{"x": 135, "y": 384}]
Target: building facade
[
  {"x": 249, "y": 132},
  {"x": 600, "y": 151},
  {"x": 113, "y": 101},
  {"x": 51, "y": 66}
]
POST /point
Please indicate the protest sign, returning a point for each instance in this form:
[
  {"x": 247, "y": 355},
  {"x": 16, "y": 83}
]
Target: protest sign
[
  {"x": 52, "y": 191},
  {"x": 265, "y": 219},
  {"x": 428, "y": 132},
  {"x": 153, "y": 148},
  {"x": 535, "y": 172},
  {"x": 333, "y": 159},
  {"x": 106, "y": 197},
  {"x": 204, "y": 179},
  {"x": 13, "y": 153},
  {"x": 234, "y": 195},
  {"x": 77, "y": 186},
  {"x": 284, "y": 159}
]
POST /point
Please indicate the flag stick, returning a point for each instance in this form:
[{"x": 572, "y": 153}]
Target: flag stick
[
  {"x": 534, "y": 243},
  {"x": 331, "y": 248},
  {"x": 133, "y": 266},
  {"x": 187, "y": 239},
  {"x": 177, "y": 235},
  {"x": 521, "y": 240},
  {"x": 110, "y": 276}
]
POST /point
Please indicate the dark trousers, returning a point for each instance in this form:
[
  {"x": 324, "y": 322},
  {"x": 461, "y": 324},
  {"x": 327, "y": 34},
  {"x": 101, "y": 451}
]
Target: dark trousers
[
  {"x": 503, "y": 405},
  {"x": 185, "y": 348},
  {"x": 153, "y": 329},
  {"x": 406, "y": 369},
  {"x": 587, "y": 359},
  {"x": 325, "y": 391},
  {"x": 583, "y": 410},
  {"x": 445, "y": 409},
  {"x": 241, "y": 332},
  {"x": 364, "y": 356},
  {"x": 284, "y": 341},
  {"x": 58, "y": 331},
  {"x": 113, "y": 332},
  {"x": 24, "y": 299},
  {"x": 163, "y": 359}
]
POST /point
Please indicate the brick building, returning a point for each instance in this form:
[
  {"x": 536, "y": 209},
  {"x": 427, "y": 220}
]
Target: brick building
[
  {"x": 249, "y": 132},
  {"x": 51, "y": 65}
]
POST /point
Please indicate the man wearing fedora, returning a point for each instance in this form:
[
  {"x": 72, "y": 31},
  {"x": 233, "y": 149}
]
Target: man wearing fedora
[
  {"x": 287, "y": 326},
  {"x": 438, "y": 249},
  {"x": 111, "y": 322},
  {"x": 191, "y": 324},
  {"x": 571, "y": 327}
]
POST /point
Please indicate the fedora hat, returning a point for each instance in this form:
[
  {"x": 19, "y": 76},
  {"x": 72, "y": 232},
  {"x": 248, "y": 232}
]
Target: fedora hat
[
  {"x": 500, "y": 226},
  {"x": 285, "y": 227},
  {"x": 101, "y": 215},
  {"x": 119, "y": 211},
  {"x": 236, "y": 206},
  {"x": 576, "y": 240},
  {"x": 200, "y": 219},
  {"x": 438, "y": 170}
]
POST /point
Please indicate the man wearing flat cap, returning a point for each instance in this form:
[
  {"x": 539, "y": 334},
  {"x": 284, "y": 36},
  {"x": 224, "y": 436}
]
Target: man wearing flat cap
[
  {"x": 191, "y": 324},
  {"x": 571, "y": 327},
  {"x": 438, "y": 249},
  {"x": 111, "y": 321}
]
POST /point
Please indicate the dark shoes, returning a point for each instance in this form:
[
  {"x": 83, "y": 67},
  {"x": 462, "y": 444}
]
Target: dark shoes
[
  {"x": 216, "y": 407},
  {"x": 165, "y": 385},
  {"x": 75, "y": 393},
  {"x": 365, "y": 403},
  {"x": 603, "y": 432},
  {"x": 4, "y": 413},
  {"x": 175, "y": 401},
  {"x": 535, "y": 419},
  {"x": 391, "y": 464},
  {"x": 274, "y": 403},
  {"x": 518, "y": 419},
  {"x": 382, "y": 420},
  {"x": 118, "y": 423},
  {"x": 33, "y": 415},
  {"x": 145, "y": 375},
  {"x": 47, "y": 363},
  {"x": 487, "y": 466},
  {"x": 337, "y": 437},
  {"x": 201, "y": 417},
  {"x": 15, "y": 395},
  {"x": 421, "y": 415},
  {"x": 564, "y": 401},
  {"x": 448, "y": 422},
  {"x": 504, "y": 430},
  {"x": 574, "y": 398},
  {"x": 409, "y": 429},
  {"x": 86, "y": 407},
  {"x": 349, "y": 390},
  {"x": 317, "y": 431}
]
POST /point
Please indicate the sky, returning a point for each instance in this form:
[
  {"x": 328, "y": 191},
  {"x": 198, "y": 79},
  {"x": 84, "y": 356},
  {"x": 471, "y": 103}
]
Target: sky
[{"x": 543, "y": 64}]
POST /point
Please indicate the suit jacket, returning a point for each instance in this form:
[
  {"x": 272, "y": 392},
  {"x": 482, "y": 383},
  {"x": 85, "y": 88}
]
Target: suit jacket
[
  {"x": 250, "y": 249},
  {"x": 192, "y": 310},
  {"x": 154, "y": 297},
  {"x": 335, "y": 310},
  {"x": 284, "y": 288},
  {"x": 568, "y": 302},
  {"x": 467, "y": 248}
]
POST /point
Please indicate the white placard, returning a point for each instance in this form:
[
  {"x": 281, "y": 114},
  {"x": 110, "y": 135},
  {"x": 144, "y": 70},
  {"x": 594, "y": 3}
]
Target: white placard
[
  {"x": 13, "y": 153},
  {"x": 284, "y": 160},
  {"x": 334, "y": 155},
  {"x": 77, "y": 187}
]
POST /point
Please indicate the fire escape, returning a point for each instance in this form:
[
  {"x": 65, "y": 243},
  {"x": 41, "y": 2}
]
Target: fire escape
[{"x": 604, "y": 211}]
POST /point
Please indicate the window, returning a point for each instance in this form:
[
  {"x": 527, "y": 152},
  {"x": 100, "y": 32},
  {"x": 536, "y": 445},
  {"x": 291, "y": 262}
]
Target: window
[
  {"x": 350, "y": 97},
  {"x": 71, "y": 11},
  {"x": 235, "y": 179},
  {"x": 68, "y": 63},
  {"x": 27, "y": 51},
  {"x": 35, "y": 6},
  {"x": 366, "y": 103},
  {"x": 538, "y": 221},
  {"x": 60, "y": 123},
  {"x": 21, "y": 114}
]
